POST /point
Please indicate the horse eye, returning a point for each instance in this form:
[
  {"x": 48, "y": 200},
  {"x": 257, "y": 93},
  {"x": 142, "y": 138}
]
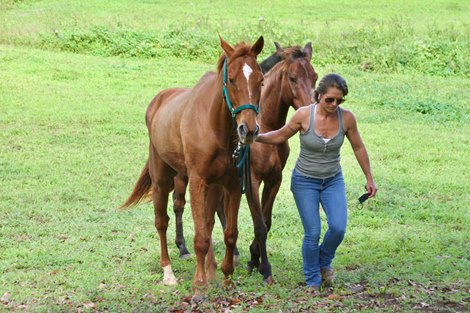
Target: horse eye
[
  {"x": 292, "y": 79},
  {"x": 232, "y": 81}
]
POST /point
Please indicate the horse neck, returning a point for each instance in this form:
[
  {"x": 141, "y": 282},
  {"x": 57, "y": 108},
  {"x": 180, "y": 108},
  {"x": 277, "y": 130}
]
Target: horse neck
[
  {"x": 220, "y": 119},
  {"x": 273, "y": 108}
]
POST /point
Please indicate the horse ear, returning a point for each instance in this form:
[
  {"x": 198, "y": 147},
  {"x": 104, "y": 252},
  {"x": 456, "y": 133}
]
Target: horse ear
[
  {"x": 225, "y": 46},
  {"x": 258, "y": 46},
  {"x": 308, "y": 50},
  {"x": 279, "y": 50}
]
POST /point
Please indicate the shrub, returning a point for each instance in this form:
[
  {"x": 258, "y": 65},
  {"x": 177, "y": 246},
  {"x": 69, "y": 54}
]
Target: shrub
[{"x": 388, "y": 47}]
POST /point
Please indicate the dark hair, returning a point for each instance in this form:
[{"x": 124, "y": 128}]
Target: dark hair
[{"x": 330, "y": 80}]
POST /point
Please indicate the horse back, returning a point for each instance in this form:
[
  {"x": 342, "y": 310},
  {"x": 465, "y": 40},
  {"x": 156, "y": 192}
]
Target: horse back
[
  {"x": 177, "y": 120},
  {"x": 172, "y": 102},
  {"x": 160, "y": 100}
]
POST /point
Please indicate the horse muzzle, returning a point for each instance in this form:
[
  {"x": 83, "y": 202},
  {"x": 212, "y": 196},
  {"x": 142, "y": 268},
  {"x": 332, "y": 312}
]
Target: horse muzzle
[{"x": 245, "y": 135}]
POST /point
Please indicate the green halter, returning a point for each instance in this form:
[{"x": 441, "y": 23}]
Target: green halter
[{"x": 227, "y": 99}]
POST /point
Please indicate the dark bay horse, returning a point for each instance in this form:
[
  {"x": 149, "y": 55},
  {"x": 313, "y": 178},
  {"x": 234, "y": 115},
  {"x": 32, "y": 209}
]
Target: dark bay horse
[
  {"x": 287, "y": 84},
  {"x": 193, "y": 132}
]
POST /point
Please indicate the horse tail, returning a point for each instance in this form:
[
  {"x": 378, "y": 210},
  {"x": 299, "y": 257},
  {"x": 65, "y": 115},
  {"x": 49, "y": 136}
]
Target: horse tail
[{"x": 141, "y": 190}]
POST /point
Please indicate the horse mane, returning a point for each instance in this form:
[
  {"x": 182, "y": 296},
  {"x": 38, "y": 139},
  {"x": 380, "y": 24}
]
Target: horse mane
[
  {"x": 238, "y": 50},
  {"x": 289, "y": 55},
  {"x": 293, "y": 53},
  {"x": 270, "y": 61}
]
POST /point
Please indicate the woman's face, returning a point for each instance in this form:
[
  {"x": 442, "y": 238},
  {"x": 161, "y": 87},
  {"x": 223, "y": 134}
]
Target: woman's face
[{"x": 331, "y": 99}]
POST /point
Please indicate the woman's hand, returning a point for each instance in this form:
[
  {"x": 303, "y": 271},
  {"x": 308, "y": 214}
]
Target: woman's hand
[{"x": 371, "y": 188}]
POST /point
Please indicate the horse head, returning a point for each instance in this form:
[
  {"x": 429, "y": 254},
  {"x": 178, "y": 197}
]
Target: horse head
[
  {"x": 299, "y": 76},
  {"x": 242, "y": 78}
]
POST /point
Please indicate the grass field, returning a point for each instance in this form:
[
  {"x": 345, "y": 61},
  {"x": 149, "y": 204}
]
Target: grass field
[{"x": 75, "y": 80}]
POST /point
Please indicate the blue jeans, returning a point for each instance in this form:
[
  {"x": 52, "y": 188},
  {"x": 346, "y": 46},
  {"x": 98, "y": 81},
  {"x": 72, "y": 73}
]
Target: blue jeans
[{"x": 308, "y": 194}]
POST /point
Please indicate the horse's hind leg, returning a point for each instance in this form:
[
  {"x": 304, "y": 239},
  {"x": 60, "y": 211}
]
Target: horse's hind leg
[
  {"x": 178, "y": 207},
  {"x": 221, "y": 214},
  {"x": 162, "y": 179}
]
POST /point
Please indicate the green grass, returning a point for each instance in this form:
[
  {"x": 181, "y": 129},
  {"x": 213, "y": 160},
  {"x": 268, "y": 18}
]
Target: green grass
[
  {"x": 382, "y": 37},
  {"x": 73, "y": 142}
]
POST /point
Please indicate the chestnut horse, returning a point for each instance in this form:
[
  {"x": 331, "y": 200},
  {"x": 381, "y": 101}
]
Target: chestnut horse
[
  {"x": 181, "y": 182},
  {"x": 287, "y": 84},
  {"x": 192, "y": 134}
]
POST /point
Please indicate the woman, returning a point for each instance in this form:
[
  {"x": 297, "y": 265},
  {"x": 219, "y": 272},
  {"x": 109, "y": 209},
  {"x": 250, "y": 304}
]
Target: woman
[{"x": 317, "y": 177}]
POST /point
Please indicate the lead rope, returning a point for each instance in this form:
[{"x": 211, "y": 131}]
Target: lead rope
[{"x": 241, "y": 157}]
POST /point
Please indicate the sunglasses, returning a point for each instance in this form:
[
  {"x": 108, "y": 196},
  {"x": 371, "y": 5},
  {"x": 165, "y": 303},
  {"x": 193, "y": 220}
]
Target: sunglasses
[{"x": 331, "y": 100}]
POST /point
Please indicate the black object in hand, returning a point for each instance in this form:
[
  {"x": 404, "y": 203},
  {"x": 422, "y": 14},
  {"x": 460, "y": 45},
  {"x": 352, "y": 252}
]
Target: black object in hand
[{"x": 363, "y": 198}]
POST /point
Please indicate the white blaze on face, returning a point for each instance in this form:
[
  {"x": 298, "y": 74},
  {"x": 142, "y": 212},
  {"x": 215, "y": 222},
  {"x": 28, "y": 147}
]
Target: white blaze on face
[{"x": 247, "y": 70}]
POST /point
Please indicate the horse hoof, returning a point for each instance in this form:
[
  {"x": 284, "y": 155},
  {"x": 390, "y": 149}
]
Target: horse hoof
[
  {"x": 236, "y": 260},
  {"x": 249, "y": 267},
  {"x": 211, "y": 276},
  {"x": 268, "y": 281},
  {"x": 169, "y": 278},
  {"x": 170, "y": 281},
  {"x": 228, "y": 284},
  {"x": 198, "y": 298},
  {"x": 185, "y": 256}
]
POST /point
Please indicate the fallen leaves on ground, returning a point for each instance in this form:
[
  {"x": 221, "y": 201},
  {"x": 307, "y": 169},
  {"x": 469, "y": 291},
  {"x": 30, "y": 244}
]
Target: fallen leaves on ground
[
  {"x": 224, "y": 303},
  {"x": 6, "y": 298},
  {"x": 361, "y": 296}
]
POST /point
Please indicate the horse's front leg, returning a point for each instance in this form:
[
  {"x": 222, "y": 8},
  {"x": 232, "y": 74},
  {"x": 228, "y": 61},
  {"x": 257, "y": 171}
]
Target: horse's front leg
[
  {"x": 258, "y": 246},
  {"x": 213, "y": 200},
  {"x": 270, "y": 191},
  {"x": 232, "y": 197},
  {"x": 256, "y": 216},
  {"x": 198, "y": 191},
  {"x": 178, "y": 207},
  {"x": 221, "y": 214}
]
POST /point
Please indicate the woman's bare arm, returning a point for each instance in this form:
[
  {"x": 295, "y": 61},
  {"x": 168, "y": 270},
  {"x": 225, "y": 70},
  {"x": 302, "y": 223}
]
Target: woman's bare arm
[
  {"x": 352, "y": 133},
  {"x": 284, "y": 133}
]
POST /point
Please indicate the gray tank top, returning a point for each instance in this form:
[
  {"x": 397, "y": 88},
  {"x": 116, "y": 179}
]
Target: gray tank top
[{"x": 319, "y": 157}]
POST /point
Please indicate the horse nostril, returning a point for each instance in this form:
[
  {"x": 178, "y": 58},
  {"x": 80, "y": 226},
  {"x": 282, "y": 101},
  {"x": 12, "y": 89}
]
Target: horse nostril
[
  {"x": 242, "y": 130},
  {"x": 256, "y": 133}
]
